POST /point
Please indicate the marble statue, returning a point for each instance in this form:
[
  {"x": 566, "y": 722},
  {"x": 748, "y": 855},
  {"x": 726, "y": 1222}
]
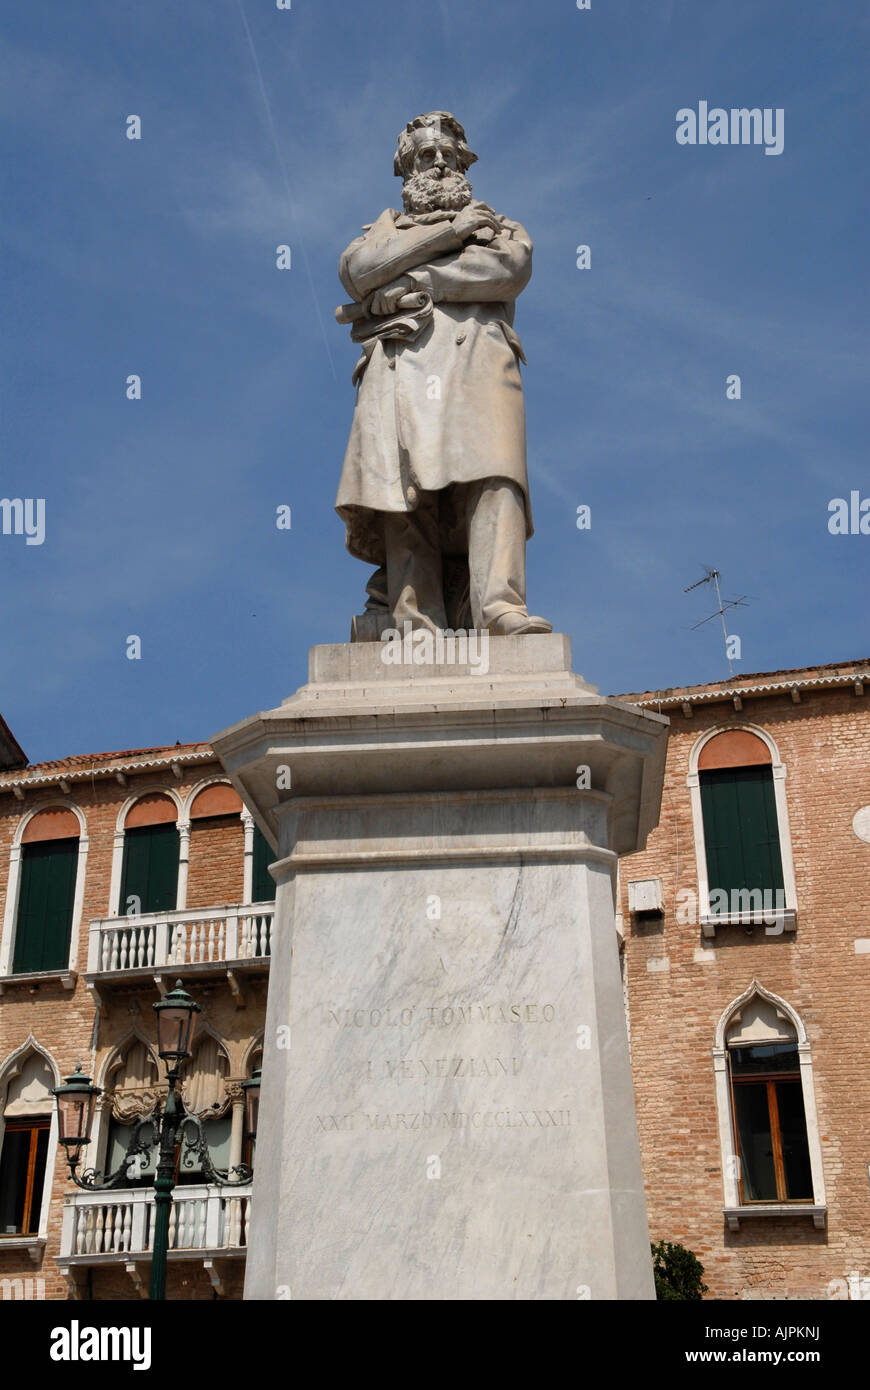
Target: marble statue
[{"x": 434, "y": 489}]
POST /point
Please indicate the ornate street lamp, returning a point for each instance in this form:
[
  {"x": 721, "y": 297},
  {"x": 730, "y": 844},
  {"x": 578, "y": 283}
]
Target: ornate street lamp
[
  {"x": 76, "y": 1099},
  {"x": 168, "y": 1128},
  {"x": 175, "y": 1018}
]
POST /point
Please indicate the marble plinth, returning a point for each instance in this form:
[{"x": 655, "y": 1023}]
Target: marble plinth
[{"x": 447, "y": 1107}]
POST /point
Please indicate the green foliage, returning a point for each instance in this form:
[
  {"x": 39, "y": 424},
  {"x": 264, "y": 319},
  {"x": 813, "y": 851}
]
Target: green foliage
[{"x": 678, "y": 1273}]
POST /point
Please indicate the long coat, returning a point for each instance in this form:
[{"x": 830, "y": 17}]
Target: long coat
[{"x": 446, "y": 407}]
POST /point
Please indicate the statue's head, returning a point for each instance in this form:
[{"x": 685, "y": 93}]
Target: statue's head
[{"x": 432, "y": 157}]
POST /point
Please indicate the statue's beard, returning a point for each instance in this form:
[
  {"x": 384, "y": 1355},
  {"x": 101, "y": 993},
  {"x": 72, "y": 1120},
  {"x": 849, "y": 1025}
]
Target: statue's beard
[{"x": 427, "y": 192}]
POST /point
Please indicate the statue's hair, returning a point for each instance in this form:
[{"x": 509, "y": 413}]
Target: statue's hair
[{"x": 405, "y": 148}]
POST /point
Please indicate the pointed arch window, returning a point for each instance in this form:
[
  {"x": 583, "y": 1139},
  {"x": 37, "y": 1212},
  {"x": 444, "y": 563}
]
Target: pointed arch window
[
  {"x": 132, "y": 1089},
  {"x": 771, "y": 1151},
  {"x": 205, "y": 1095},
  {"x": 27, "y": 1109}
]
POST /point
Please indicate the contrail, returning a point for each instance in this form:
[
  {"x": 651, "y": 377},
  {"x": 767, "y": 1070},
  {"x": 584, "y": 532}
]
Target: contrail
[{"x": 283, "y": 169}]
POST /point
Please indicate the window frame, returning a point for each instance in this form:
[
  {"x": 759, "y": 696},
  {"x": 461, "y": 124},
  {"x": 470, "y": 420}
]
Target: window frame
[
  {"x": 141, "y": 834},
  {"x": 770, "y": 1079},
  {"x": 35, "y": 1125},
  {"x": 53, "y": 888},
  {"x": 67, "y": 973},
  {"x": 10, "y": 1067},
  {"x": 785, "y": 920},
  {"x": 182, "y": 826},
  {"x": 734, "y": 1208}
]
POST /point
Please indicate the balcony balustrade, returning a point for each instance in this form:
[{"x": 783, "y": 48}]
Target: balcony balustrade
[
  {"x": 154, "y": 940},
  {"x": 202, "y": 1217},
  {"x": 207, "y": 1224}
]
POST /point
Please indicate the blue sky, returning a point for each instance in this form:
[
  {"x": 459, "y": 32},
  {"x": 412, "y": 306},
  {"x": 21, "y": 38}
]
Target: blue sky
[{"x": 262, "y": 127}]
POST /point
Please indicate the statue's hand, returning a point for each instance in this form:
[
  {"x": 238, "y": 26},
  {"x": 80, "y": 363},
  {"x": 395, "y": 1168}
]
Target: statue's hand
[
  {"x": 473, "y": 219},
  {"x": 385, "y": 301}
]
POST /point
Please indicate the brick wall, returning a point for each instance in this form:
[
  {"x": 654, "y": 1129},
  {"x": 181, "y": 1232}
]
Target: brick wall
[{"x": 216, "y": 873}]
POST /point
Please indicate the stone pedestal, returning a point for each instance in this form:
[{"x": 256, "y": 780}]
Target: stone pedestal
[{"x": 447, "y": 1107}]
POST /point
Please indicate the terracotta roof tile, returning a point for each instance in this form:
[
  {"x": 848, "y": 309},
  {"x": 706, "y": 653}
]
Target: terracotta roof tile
[
  {"x": 125, "y": 754},
  {"x": 756, "y": 678}
]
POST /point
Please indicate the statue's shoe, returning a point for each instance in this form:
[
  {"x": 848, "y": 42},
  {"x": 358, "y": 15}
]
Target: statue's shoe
[{"x": 515, "y": 624}]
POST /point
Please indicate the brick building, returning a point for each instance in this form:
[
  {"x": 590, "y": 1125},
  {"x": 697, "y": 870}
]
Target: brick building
[
  {"x": 749, "y": 1011},
  {"x": 745, "y": 956},
  {"x": 124, "y": 872}
]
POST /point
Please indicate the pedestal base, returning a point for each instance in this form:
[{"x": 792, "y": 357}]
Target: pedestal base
[{"x": 447, "y": 1107}]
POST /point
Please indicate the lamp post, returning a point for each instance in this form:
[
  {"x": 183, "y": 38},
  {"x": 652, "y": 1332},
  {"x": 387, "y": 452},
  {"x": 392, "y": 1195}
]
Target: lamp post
[
  {"x": 76, "y": 1100},
  {"x": 175, "y": 1019}
]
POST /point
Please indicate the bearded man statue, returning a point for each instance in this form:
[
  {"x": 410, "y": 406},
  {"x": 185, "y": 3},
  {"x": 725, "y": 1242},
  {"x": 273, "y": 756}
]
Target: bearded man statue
[{"x": 434, "y": 489}]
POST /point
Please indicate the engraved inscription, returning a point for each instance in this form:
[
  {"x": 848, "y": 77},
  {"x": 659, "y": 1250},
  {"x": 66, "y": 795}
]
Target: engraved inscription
[
  {"x": 438, "y": 1016},
  {"x": 428, "y": 1027},
  {"x": 441, "y": 1068},
  {"x": 448, "y": 1119}
]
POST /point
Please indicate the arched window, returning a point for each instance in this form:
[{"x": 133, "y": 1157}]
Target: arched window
[
  {"x": 130, "y": 1076},
  {"x": 745, "y": 867},
  {"x": 131, "y": 1084},
  {"x": 45, "y": 890},
  {"x": 27, "y": 1108},
  {"x": 771, "y": 1150},
  {"x": 205, "y": 1095},
  {"x": 149, "y": 874}
]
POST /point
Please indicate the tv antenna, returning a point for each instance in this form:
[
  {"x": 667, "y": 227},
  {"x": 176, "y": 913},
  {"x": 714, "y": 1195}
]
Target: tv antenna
[{"x": 712, "y": 576}]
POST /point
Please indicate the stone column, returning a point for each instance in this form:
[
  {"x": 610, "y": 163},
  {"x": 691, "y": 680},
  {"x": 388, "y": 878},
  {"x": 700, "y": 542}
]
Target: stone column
[
  {"x": 248, "y": 890},
  {"x": 234, "y": 1090},
  {"x": 453, "y": 1117},
  {"x": 116, "y": 907},
  {"x": 183, "y": 827}
]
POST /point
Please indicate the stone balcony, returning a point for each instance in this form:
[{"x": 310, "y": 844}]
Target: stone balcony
[
  {"x": 234, "y": 939},
  {"x": 208, "y": 1224}
]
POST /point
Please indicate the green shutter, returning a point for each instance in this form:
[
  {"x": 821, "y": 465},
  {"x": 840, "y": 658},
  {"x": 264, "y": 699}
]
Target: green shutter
[
  {"x": 150, "y": 868},
  {"x": 740, "y": 829},
  {"x": 263, "y": 890},
  {"x": 45, "y": 905}
]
